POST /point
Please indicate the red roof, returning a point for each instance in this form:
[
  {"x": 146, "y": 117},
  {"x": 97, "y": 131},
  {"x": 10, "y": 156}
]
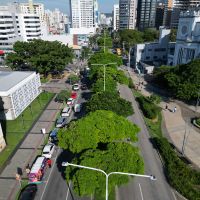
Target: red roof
[{"x": 1, "y": 52}]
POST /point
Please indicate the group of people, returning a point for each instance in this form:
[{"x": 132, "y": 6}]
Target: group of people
[{"x": 173, "y": 110}]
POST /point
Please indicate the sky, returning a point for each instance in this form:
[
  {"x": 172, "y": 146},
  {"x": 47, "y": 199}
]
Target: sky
[{"x": 63, "y": 5}]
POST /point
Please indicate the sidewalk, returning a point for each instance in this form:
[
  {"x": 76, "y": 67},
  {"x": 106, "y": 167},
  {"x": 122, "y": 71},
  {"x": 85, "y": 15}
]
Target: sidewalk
[
  {"x": 27, "y": 152},
  {"x": 183, "y": 135}
]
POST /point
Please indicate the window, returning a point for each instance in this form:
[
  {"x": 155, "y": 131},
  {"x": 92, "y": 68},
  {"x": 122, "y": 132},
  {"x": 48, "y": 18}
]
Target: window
[{"x": 148, "y": 57}]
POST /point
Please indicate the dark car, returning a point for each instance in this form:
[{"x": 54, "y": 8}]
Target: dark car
[
  {"x": 84, "y": 87},
  {"x": 28, "y": 193}
]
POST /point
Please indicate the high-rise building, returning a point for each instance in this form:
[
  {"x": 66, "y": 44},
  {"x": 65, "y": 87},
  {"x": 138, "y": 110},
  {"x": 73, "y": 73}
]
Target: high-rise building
[
  {"x": 127, "y": 14},
  {"x": 15, "y": 25},
  {"x": 33, "y": 8},
  {"x": 146, "y": 13},
  {"x": 160, "y": 10},
  {"x": 181, "y": 6},
  {"x": 116, "y": 17},
  {"x": 82, "y": 13},
  {"x": 168, "y": 13}
]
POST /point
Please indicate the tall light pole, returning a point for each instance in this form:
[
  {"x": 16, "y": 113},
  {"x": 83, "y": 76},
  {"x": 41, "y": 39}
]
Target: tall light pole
[
  {"x": 104, "y": 73},
  {"x": 65, "y": 164}
]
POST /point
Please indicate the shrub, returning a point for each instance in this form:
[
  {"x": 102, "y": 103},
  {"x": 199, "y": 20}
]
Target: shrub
[
  {"x": 149, "y": 109},
  {"x": 155, "y": 99},
  {"x": 72, "y": 79},
  {"x": 198, "y": 121},
  {"x": 183, "y": 178},
  {"x": 131, "y": 84}
]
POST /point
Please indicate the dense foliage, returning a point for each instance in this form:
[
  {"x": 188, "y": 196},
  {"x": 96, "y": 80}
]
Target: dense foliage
[
  {"x": 85, "y": 53},
  {"x": 97, "y": 127},
  {"x": 173, "y": 34},
  {"x": 115, "y": 157},
  {"x": 41, "y": 56},
  {"x": 98, "y": 140},
  {"x": 104, "y": 58},
  {"x": 149, "y": 109},
  {"x": 63, "y": 95},
  {"x": 109, "y": 101},
  {"x": 198, "y": 121},
  {"x": 72, "y": 79},
  {"x": 182, "y": 80},
  {"x": 184, "y": 179}
]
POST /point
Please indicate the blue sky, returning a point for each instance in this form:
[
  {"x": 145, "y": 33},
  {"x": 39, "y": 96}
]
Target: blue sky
[{"x": 63, "y": 5}]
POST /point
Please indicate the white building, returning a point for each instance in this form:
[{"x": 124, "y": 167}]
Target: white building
[
  {"x": 188, "y": 37},
  {"x": 15, "y": 26},
  {"x": 82, "y": 13},
  {"x": 9, "y": 27},
  {"x": 17, "y": 91},
  {"x": 148, "y": 55},
  {"x": 127, "y": 14},
  {"x": 116, "y": 17},
  {"x": 33, "y": 8},
  {"x": 2, "y": 140}
]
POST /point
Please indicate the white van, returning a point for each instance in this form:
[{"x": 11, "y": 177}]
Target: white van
[{"x": 77, "y": 107}]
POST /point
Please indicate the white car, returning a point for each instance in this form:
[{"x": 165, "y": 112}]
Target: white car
[
  {"x": 66, "y": 111},
  {"x": 70, "y": 101},
  {"x": 61, "y": 122},
  {"x": 48, "y": 150},
  {"x": 76, "y": 87},
  {"x": 77, "y": 107}
]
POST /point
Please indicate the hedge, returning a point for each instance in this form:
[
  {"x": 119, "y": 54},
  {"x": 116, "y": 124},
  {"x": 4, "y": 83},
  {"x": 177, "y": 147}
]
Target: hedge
[
  {"x": 149, "y": 109},
  {"x": 183, "y": 178}
]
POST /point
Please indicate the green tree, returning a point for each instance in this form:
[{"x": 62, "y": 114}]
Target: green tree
[
  {"x": 120, "y": 157},
  {"x": 131, "y": 37},
  {"x": 150, "y": 35},
  {"x": 40, "y": 56},
  {"x": 173, "y": 34},
  {"x": 109, "y": 101},
  {"x": 72, "y": 79},
  {"x": 104, "y": 58},
  {"x": 99, "y": 127},
  {"x": 85, "y": 53},
  {"x": 63, "y": 95}
]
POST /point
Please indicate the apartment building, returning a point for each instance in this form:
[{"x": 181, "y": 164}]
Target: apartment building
[
  {"x": 127, "y": 14},
  {"x": 116, "y": 17},
  {"x": 146, "y": 13},
  {"x": 17, "y": 26}
]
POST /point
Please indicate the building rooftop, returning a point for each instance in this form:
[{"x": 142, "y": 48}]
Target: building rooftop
[{"x": 11, "y": 79}]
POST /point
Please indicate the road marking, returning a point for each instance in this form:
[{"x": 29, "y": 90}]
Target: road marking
[
  {"x": 141, "y": 192},
  {"x": 68, "y": 190},
  {"x": 49, "y": 175}
]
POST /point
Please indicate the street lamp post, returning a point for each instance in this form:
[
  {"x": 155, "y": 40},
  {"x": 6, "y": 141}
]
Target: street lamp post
[
  {"x": 151, "y": 177},
  {"x": 104, "y": 72}
]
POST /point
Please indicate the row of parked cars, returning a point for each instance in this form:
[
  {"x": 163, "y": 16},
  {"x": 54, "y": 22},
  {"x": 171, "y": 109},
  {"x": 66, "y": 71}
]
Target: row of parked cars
[{"x": 42, "y": 162}]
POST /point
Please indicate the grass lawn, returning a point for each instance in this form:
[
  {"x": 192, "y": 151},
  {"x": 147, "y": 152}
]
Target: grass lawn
[{"x": 16, "y": 129}]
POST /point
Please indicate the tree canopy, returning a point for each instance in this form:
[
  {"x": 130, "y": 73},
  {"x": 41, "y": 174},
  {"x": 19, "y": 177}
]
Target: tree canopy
[
  {"x": 182, "y": 80},
  {"x": 98, "y": 127},
  {"x": 104, "y": 58},
  {"x": 173, "y": 34},
  {"x": 41, "y": 56},
  {"x": 120, "y": 157},
  {"x": 99, "y": 140},
  {"x": 109, "y": 101}
]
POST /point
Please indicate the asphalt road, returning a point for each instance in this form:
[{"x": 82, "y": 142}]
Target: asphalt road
[{"x": 142, "y": 188}]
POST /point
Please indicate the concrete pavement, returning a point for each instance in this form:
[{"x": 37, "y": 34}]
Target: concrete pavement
[
  {"x": 181, "y": 132},
  {"x": 27, "y": 152}
]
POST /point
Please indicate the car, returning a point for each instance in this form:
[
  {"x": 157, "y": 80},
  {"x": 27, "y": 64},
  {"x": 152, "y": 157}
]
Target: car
[
  {"x": 53, "y": 136},
  {"x": 66, "y": 111},
  {"x": 70, "y": 101},
  {"x": 77, "y": 107},
  {"x": 75, "y": 87},
  {"x": 84, "y": 87},
  {"x": 73, "y": 95},
  {"x": 29, "y": 192},
  {"x": 61, "y": 122},
  {"x": 48, "y": 150}
]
